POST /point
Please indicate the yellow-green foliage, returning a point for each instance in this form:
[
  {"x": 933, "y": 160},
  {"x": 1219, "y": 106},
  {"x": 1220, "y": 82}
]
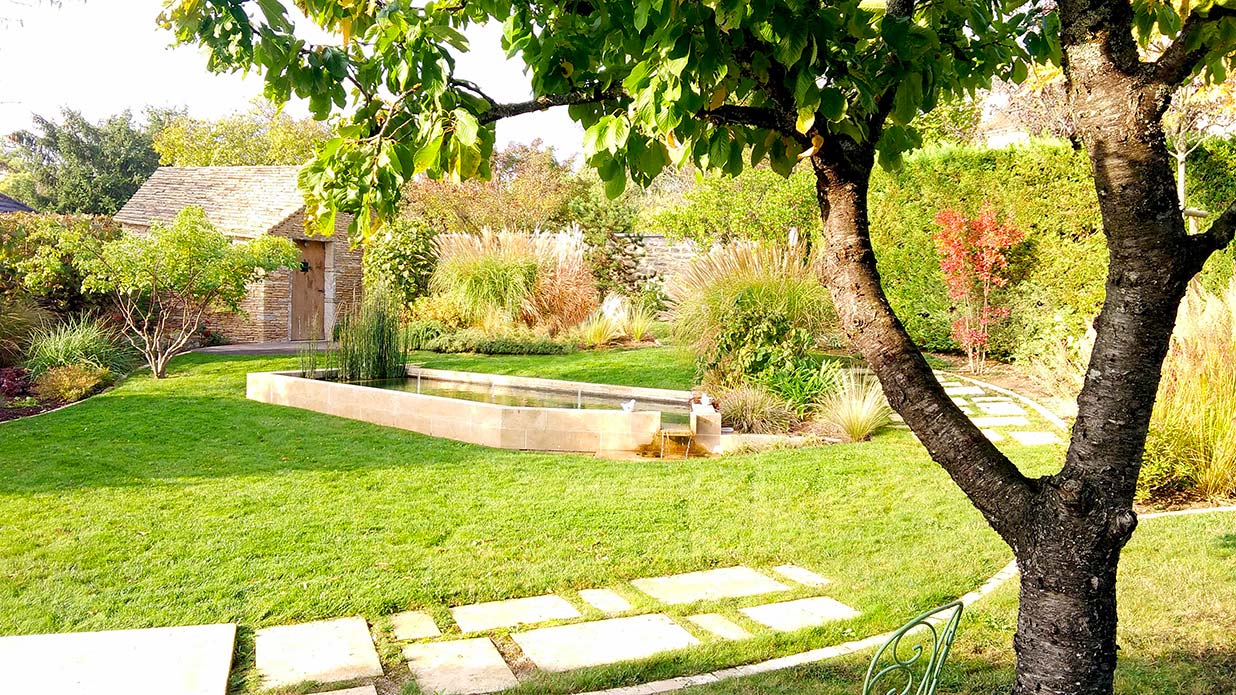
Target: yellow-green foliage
[
  {"x": 70, "y": 383},
  {"x": 857, "y": 408},
  {"x": 1192, "y": 441},
  {"x": 751, "y": 408},
  {"x": 600, "y": 329}
]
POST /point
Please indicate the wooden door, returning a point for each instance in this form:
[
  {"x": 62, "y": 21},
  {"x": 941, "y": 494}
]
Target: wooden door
[{"x": 309, "y": 292}]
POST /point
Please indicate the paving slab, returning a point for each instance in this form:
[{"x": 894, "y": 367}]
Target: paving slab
[
  {"x": 569, "y": 647},
  {"x": 327, "y": 651},
  {"x": 478, "y": 617},
  {"x": 993, "y": 435},
  {"x": 960, "y": 402},
  {"x": 795, "y": 615},
  {"x": 719, "y": 625},
  {"x": 1001, "y": 408},
  {"x": 992, "y": 399},
  {"x": 363, "y": 690},
  {"x": 801, "y": 575},
  {"x": 1035, "y": 438},
  {"x": 1011, "y": 421},
  {"x": 708, "y": 585},
  {"x": 414, "y": 625},
  {"x": 605, "y": 600},
  {"x": 192, "y": 660},
  {"x": 459, "y": 667},
  {"x": 963, "y": 391}
]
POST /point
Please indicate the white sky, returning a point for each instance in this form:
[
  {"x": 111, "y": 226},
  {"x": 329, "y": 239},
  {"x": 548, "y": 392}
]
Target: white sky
[{"x": 104, "y": 56}]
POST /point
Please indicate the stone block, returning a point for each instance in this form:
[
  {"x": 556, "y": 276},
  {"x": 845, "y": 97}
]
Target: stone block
[
  {"x": 459, "y": 667},
  {"x": 520, "y": 611}
]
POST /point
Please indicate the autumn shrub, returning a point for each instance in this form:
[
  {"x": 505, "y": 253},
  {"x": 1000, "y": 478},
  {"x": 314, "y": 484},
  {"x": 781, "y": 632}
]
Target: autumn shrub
[
  {"x": 857, "y": 408},
  {"x": 749, "y": 307},
  {"x": 974, "y": 260},
  {"x": 80, "y": 341},
  {"x": 439, "y": 308},
  {"x": 1192, "y": 440},
  {"x": 14, "y": 383},
  {"x": 70, "y": 383},
  {"x": 752, "y": 409}
]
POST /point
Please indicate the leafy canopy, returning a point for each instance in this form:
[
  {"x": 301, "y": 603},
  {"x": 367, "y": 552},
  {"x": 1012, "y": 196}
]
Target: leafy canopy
[
  {"x": 720, "y": 83},
  {"x": 264, "y": 136}
]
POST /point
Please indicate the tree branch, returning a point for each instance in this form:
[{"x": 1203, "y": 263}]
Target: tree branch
[
  {"x": 1178, "y": 61},
  {"x": 498, "y": 112},
  {"x": 732, "y": 114},
  {"x": 1221, "y": 233}
]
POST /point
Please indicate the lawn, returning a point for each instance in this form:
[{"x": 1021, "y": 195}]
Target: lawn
[{"x": 179, "y": 502}]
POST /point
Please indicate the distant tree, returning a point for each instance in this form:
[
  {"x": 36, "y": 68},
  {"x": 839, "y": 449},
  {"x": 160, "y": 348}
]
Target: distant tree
[
  {"x": 756, "y": 204},
  {"x": 956, "y": 120},
  {"x": 164, "y": 282},
  {"x": 530, "y": 189},
  {"x": 262, "y": 136},
  {"x": 1199, "y": 111},
  {"x": 1040, "y": 104},
  {"x": 77, "y": 166}
]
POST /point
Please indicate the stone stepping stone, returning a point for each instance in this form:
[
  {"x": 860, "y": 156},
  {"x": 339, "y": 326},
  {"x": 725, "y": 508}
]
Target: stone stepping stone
[
  {"x": 193, "y": 660},
  {"x": 459, "y": 667},
  {"x": 788, "y": 616},
  {"x": 414, "y": 625},
  {"x": 959, "y": 402},
  {"x": 720, "y": 626},
  {"x": 363, "y": 690},
  {"x": 605, "y": 600},
  {"x": 708, "y": 585},
  {"x": 1001, "y": 408},
  {"x": 963, "y": 391},
  {"x": 479, "y": 617},
  {"x": 993, "y": 435},
  {"x": 992, "y": 399},
  {"x": 803, "y": 576},
  {"x": 1035, "y": 438},
  {"x": 326, "y": 652},
  {"x": 568, "y": 647},
  {"x": 1000, "y": 421}
]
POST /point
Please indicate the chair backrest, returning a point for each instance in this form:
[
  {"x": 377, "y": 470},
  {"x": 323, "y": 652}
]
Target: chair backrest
[{"x": 911, "y": 660}]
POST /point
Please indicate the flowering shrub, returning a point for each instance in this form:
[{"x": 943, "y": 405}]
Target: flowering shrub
[{"x": 973, "y": 258}]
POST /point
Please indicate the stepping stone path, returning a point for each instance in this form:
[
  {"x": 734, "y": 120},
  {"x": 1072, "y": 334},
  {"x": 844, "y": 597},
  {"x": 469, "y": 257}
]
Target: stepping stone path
[
  {"x": 414, "y": 625},
  {"x": 1035, "y": 438},
  {"x": 605, "y": 600},
  {"x": 569, "y": 647},
  {"x": 708, "y": 585},
  {"x": 191, "y": 660},
  {"x": 363, "y": 690},
  {"x": 802, "y": 576},
  {"x": 1000, "y": 421},
  {"x": 479, "y": 617},
  {"x": 326, "y": 652},
  {"x": 1001, "y": 408},
  {"x": 459, "y": 667},
  {"x": 796, "y": 615},
  {"x": 720, "y": 626}
]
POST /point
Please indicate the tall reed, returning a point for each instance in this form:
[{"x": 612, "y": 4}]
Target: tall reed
[
  {"x": 371, "y": 339},
  {"x": 1193, "y": 430}
]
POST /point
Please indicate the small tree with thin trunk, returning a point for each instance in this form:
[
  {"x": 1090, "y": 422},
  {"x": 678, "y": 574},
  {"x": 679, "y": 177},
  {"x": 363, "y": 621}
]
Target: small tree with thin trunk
[
  {"x": 165, "y": 281},
  {"x": 973, "y": 256}
]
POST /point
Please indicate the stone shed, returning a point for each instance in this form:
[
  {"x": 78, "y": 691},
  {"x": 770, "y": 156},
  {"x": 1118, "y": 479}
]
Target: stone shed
[{"x": 244, "y": 203}]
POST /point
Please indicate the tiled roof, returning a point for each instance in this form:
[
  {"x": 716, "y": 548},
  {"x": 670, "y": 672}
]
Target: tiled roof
[
  {"x": 7, "y": 204},
  {"x": 240, "y": 201}
]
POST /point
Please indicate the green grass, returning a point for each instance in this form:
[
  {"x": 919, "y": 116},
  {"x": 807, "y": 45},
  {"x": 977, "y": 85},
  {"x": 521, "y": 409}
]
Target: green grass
[
  {"x": 180, "y": 502},
  {"x": 1177, "y": 631}
]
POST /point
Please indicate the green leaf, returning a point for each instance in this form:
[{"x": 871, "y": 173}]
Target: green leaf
[
  {"x": 427, "y": 156},
  {"x": 832, "y": 104},
  {"x": 465, "y": 127},
  {"x": 806, "y": 119},
  {"x": 615, "y": 186}
]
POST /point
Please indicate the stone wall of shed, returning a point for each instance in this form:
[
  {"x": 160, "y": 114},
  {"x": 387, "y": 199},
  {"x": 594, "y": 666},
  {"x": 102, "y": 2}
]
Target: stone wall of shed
[{"x": 663, "y": 256}]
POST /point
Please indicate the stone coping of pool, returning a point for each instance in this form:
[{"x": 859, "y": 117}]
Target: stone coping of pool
[{"x": 488, "y": 424}]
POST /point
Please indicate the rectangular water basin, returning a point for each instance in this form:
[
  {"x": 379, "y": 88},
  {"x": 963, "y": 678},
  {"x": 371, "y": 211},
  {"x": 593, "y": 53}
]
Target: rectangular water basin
[{"x": 488, "y": 409}]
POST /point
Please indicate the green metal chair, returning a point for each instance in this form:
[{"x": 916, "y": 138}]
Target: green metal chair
[{"x": 914, "y": 667}]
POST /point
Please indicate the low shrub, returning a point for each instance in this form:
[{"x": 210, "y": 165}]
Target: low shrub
[
  {"x": 14, "y": 383},
  {"x": 753, "y": 409},
  {"x": 70, "y": 383},
  {"x": 640, "y": 323},
  {"x": 402, "y": 256},
  {"x": 371, "y": 339},
  {"x": 419, "y": 334},
  {"x": 599, "y": 329},
  {"x": 515, "y": 342},
  {"x": 78, "y": 341},
  {"x": 440, "y": 308},
  {"x": 20, "y": 317},
  {"x": 804, "y": 385},
  {"x": 858, "y": 407}
]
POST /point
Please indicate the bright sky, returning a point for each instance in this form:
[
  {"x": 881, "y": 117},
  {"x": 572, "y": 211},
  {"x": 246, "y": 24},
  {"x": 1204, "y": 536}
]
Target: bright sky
[{"x": 104, "y": 56}]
